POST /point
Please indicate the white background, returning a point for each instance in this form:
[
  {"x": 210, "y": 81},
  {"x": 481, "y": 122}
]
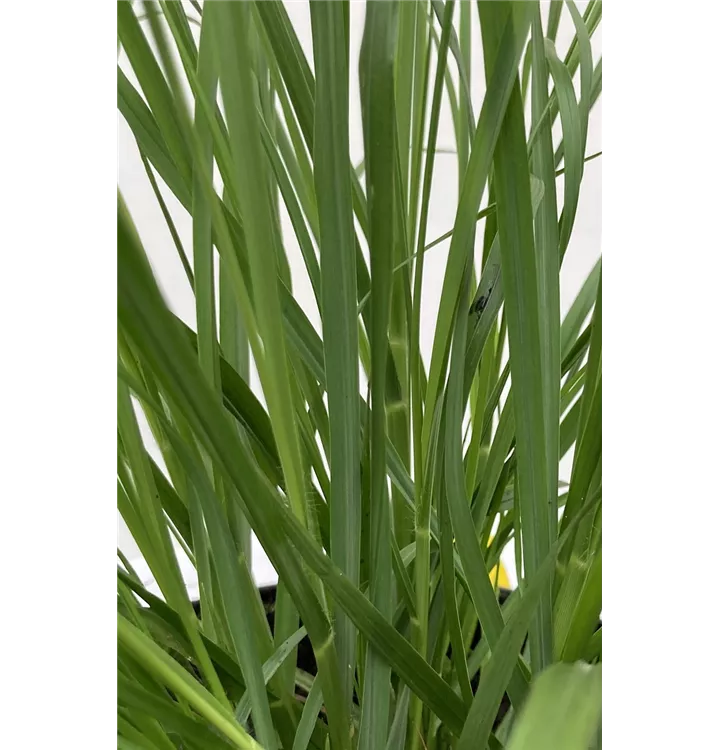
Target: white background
[{"x": 583, "y": 251}]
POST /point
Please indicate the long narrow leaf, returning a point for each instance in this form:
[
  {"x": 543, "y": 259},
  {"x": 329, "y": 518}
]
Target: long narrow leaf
[
  {"x": 563, "y": 710},
  {"x": 156, "y": 659},
  {"x": 520, "y": 278},
  {"x": 377, "y": 90},
  {"x": 333, "y": 186}
]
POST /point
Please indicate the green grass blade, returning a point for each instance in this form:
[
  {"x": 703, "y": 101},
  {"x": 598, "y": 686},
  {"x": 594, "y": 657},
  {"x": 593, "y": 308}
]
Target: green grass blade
[
  {"x": 585, "y": 57},
  {"x": 376, "y": 69},
  {"x": 526, "y": 72},
  {"x": 563, "y": 711},
  {"x": 591, "y": 18},
  {"x": 495, "y": 676},
  {"x": 293, "y": 64},
  {"x": 169, "y": 714},
  {"x": 580, "y": 307},
  {"x": 203, "y": 249},
  {"x": 229, "y": 670},
  {"x": 450, "y": 91},
  {"x": 480, "y": 655},
  {"x": 536, "y": 190},
  {"x": 572, "y": 141},
  {"x": 368, "y": 542},
  {"x": 237, "y": 591},
  {"x": 140, "y": 739},
  {"x": 422, "y": 66},
  {"x": 480, "y": 215},
  {"x": 500, "y": 446},
  {"x": 595, "y": 356},
  {"x": 397, "y": 387},
  {"x": 547, "y": 268},
  {"x": 446, "y": 543},
  {"x": 144, "y": 733},
  {"x": 594, "y": 647},
  {"x": 507, "y": 50},
  {"x": 149, "y": 138},
  {"x": 520, "y": 279},
  {"x": 589, "y": 435},
  {"x": 289, "y": 196},
  {"x": 585, "y": 615},
  {"x": 299, "y": 80},
  {"x": 577, "y": 352},
  {"x": 168, "y": 220},
  {"x": 595, "y": 93},
  {"x": 238, "y": 397},
  {"x": 232, "y": 26},
  {"x": 477, "y": 574},
  {"x": 235, "y": 586},
  {"x": 155, "y": 88},
  {"x": 405, "y": 589},
  {"x": 482, "y": 313},
  {"x": 309, "y": 717},
  {"x": 488, "y": 299},
  {"x": 569, "y": 430},
  {"x": 478, "y": 449},
  {"x": 153, "y": 658},
  {"x": 151, "y": 531},
  {"x": 456, "y": 52},
  {"x": 415, "y": 354},
  {"x": 587, "y": 458},
  {"x": 554, "y": 19},
  {"x": 591, "y": 15},
  {"x": 571, "y": 387},
  {"x": 269, "y": 669},
  {"x": 465, "y": 105},
  {"x": 390, "y": 645},
  {"x": 176, "y": 18},
  {"x": 293, "y": 149},
  {"x": 423, "y": 498},
  {"x": 150, "y": 326},
  {"x": 404, "y": 75},
  {"x": 332, "y": 173},
  {"x": 572, "y": 357},
  {"x": 397, "y": 733},
  {"x": 234, "y": 345}
]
